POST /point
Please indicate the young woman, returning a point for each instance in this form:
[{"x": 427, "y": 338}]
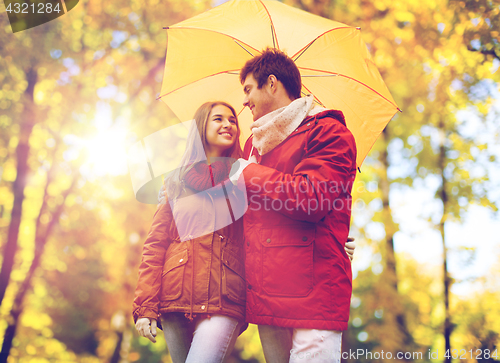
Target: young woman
[{"x": 192, "y": 269}]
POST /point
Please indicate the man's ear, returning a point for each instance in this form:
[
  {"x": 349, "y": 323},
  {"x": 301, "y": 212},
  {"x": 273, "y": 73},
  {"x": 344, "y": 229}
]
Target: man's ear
[{"x": 272, "y": 82}]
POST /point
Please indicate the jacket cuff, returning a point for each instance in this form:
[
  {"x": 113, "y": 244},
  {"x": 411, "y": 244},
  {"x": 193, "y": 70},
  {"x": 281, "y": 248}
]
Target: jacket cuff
[{"x": 146, "y": 312}]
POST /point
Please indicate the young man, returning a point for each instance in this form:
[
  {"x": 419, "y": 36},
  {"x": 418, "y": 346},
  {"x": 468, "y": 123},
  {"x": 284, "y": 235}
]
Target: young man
[{"x": 299, "y": 185}]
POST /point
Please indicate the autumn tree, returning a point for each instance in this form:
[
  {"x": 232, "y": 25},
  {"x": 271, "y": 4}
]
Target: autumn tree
[{"x": 76, "y": 68}]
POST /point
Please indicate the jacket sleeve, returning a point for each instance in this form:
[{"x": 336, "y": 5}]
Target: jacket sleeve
[
  {"x": 146, "y": 301},
  {"x": 321, "y": 181},
  {"x": 247, "y": 148}
]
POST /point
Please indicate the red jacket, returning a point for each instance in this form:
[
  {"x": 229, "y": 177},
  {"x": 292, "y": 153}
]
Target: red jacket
[{"x": 297, "y": 272}]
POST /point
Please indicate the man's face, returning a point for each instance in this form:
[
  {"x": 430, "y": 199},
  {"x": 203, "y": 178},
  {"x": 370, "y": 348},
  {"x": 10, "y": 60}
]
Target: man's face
[{"x": 259, "y": 101}]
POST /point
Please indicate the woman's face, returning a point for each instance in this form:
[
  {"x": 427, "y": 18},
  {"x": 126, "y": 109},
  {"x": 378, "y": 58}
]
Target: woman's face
[{"x": 221, "y": 131}]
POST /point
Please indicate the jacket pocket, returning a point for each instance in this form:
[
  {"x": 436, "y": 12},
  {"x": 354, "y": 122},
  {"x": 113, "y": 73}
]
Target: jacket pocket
[
  {"x": 287, "y": 260},
  {"x": 173, "y": 275},
  {"x": 233, "y": 278}
]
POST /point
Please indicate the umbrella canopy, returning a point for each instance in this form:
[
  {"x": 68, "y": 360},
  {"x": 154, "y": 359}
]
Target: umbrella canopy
[{"x": 205, "y": 54}]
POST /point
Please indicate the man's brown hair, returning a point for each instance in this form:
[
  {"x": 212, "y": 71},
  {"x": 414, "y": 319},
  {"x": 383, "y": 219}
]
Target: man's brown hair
[{"x": 274, "y": 61}]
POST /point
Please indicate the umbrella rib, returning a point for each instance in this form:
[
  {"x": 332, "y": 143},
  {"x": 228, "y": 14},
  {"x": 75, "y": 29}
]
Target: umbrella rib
[
  {"x": 239, "y": 113},
  {"x": 325, "y": 75},
  {"x": 246, "y": 50},
  {"x": 330, "y": 74},
  {"x": 273, "y": 30},
  {"x": 304, "y": 49},
  {"x": 316, "y": 98},
  {"x": 301, "y": 51},
  {"x": 211, "y": 75},
  {"x": 238, "y": 41},
  {"x": 273, "y": 36}
]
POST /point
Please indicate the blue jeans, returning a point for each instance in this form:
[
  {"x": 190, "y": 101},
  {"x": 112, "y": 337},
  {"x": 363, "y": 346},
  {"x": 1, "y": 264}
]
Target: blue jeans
[
  {"x": 291, "y": 345},
  {"x": 203, "y": 340}
]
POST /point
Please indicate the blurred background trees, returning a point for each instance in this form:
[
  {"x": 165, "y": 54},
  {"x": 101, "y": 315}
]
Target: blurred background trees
[{"x": 76, "y": 92}]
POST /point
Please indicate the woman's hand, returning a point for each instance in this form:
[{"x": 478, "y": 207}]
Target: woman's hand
[
  {"x": 238, "y": 166},
  {"x": 349, "y": 247},
  {"x": 146, "y": 328},
  {"x": 161, "y": 195}
]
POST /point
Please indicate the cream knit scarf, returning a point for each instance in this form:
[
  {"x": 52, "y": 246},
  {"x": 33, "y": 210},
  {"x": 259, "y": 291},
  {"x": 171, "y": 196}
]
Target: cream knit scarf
[{"x": 272, "y": 129}]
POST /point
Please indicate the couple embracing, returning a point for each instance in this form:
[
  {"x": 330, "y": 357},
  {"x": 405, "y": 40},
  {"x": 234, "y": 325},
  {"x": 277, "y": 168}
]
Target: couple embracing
[{"x": 285, "y": 265}]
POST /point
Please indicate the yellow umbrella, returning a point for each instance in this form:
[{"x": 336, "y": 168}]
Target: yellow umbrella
[{"x": 206, "y": 52}]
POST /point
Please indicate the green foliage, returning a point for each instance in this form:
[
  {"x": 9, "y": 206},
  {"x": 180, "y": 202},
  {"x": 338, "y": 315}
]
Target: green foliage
[{"x": 483, "y": 24}]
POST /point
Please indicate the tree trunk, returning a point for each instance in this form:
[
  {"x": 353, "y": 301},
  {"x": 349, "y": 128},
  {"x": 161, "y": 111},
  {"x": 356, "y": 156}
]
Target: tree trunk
[
  {"x": 41, "y": 237},
  {"x": 390, "y": 272},
  {"x": 116, "y": 357},
  {"x": 28, "y": 120},
  {"x": 10, "y": 332},
  {"x": 446, "y": 276},
  {"x": 15, "y": 312}
]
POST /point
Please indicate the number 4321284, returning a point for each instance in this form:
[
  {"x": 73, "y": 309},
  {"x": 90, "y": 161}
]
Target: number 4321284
[{"x": 39, "y": 8}]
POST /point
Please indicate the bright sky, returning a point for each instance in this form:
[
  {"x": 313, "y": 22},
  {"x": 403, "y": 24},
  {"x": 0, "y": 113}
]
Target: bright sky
[{"x": 479, "y": 228}]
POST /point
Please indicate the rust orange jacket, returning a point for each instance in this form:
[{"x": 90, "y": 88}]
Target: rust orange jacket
[{"x": 189, "y": 274}]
